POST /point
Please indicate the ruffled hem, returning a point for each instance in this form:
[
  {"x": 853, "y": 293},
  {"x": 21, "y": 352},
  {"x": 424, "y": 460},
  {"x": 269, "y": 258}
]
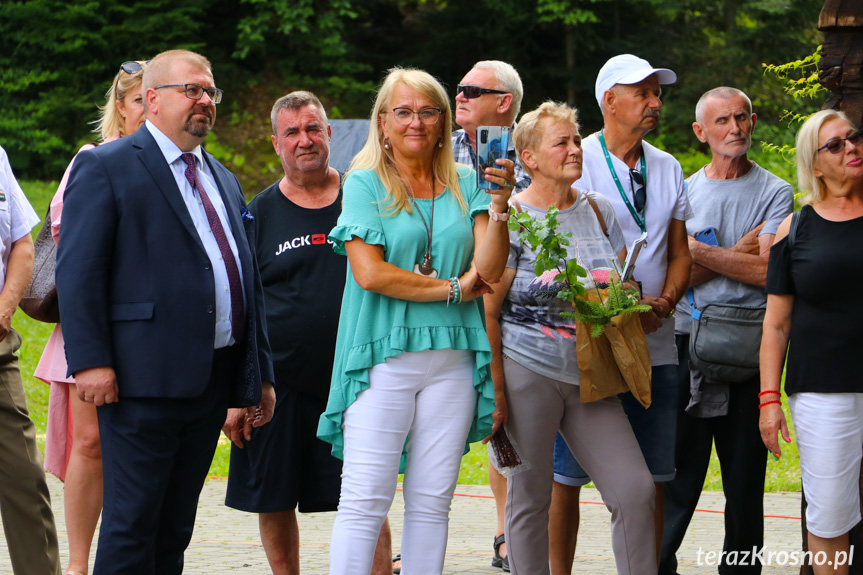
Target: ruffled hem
[
  {"x": 341, "y": 234},
  {"x": 363, "y": 357}
]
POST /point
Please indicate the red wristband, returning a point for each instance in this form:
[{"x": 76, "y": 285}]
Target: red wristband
[
  {"x": 769, "y": 391},
  {"x": 769, "y": 403},
  {"x": 671, "y": 303}
]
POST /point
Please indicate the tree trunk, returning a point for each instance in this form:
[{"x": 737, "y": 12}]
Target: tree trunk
[
  {"x": 571, "y": 44},
  {"x": 841, "y": 66}
]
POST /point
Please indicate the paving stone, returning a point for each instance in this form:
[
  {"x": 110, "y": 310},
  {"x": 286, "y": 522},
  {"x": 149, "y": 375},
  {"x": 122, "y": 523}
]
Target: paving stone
[{"x": 227, "y": 541}]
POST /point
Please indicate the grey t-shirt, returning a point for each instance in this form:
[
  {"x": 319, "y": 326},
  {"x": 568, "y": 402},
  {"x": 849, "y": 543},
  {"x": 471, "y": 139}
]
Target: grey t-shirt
[
  {"x": 733, "y": 207},
  {"x": 532, "y": 331}
]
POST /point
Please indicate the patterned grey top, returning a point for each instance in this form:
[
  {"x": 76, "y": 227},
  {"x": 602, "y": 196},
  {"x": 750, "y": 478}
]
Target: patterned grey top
[{"x": 532, "y": 330}]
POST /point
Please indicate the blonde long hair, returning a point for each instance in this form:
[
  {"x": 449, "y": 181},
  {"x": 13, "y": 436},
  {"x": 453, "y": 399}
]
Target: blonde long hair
[
  {"x": 373, "y": 155},
  {"x": 110, "y": 123}
]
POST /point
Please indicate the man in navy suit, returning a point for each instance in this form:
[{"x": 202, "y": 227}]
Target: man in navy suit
[{"x": 162, "y": 310}]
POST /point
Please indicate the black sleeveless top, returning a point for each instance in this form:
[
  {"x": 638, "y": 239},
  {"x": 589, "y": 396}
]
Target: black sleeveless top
[{"x": 824, "y": 273}]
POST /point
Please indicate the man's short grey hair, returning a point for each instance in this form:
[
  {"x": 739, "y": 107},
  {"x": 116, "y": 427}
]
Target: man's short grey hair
[
  {"x": 508, "y": 80},
  {"x": 722, "y": 93},
  {"x": 295, "y": 101}
]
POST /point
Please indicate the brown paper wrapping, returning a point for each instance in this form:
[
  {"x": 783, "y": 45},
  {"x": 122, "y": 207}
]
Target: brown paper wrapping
[{"x": 615, "y": 362}]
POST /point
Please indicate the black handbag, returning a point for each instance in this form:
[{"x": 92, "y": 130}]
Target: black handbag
[{"x": 40, "y": 298}]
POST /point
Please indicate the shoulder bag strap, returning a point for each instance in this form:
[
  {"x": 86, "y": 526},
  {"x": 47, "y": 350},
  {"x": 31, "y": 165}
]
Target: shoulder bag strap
[
  {"x": 792, "y": 230},
  {"x": 598, "y": 213}
]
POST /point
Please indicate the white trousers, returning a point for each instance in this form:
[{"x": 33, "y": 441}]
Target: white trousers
[{"x": 426, "y": 398}]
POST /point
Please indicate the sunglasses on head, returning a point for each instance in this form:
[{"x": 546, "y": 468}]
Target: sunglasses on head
[
  {"x": 132, "y": 67},
  {"x": 836, "y": 145},
  {"x": 639, "y": 195},
  {"x": 471, "y": 92}
]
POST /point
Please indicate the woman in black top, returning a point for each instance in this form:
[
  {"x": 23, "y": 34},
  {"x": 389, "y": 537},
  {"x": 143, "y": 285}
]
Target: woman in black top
[{"x": 812, "y": 301}]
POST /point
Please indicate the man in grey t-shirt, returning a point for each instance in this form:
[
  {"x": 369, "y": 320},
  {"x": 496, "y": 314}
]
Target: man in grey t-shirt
[{"x": 744, "y": 203}]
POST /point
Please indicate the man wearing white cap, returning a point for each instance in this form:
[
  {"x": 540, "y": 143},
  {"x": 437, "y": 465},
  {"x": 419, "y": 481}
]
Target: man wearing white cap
[{"x": 646, "y": 187}]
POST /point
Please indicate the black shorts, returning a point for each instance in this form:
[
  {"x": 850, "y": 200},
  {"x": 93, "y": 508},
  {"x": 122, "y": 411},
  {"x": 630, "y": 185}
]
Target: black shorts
[{"x": 285, "y": 464}]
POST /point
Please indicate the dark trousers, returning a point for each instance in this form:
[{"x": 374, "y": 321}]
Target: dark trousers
[
  {"x": 742, "y": 460},
  {"x": 155, "y": 456}
]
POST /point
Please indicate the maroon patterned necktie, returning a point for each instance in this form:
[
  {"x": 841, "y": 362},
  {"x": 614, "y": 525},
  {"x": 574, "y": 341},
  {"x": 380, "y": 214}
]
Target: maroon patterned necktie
[{"x": 224, "y": 248}]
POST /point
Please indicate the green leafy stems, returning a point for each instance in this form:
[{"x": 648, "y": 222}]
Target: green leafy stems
[{"x": 549, "y": 245}]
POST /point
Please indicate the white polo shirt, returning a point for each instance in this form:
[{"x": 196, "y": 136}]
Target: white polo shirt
[
  {"x": 17, "y": 217},
  {"x": 666, "y": 200}
]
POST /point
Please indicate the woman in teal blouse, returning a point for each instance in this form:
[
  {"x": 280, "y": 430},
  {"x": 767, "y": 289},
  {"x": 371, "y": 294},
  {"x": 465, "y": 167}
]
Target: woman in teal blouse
[{"x": 411, "y": 383}]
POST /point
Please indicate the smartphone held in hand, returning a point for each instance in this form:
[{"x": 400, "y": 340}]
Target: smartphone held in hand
[{"x": 491, "y": 144}]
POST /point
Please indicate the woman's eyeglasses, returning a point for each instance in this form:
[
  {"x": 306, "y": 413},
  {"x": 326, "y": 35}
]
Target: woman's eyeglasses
[
  {"x": 471, "y": 92},
  {"x": 132, "y": 67},
  {"x": 836, "y": 145},
  {"x": 428, "y": 116},
  {"x": 639, "y": 195}
]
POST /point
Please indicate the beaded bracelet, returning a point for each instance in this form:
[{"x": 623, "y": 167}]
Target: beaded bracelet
[
  {"x": 454, "y": 295},
  {"x": 769, "y": 391},
  {"x": 760, "y": 405}
]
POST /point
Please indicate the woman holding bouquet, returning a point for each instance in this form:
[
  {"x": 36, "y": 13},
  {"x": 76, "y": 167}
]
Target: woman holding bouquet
[
  {"x": 823, "y": 378},
  {"x": 535, "y": 364}
]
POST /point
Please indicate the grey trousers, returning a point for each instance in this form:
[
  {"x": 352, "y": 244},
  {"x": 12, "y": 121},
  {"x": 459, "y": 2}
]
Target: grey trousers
[
  {"x": 600, "y": 437},
  {"x": 25, "y": 503}
]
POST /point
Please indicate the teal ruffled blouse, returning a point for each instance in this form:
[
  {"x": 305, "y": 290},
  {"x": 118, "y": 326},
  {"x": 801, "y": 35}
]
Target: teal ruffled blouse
[{"x": 373, "y": 327}]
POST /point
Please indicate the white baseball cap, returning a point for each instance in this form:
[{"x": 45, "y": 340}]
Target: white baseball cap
[{"x": 628, "y": 69}]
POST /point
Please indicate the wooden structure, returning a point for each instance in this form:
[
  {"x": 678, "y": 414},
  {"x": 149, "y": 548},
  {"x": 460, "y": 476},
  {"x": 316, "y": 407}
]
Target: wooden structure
[{"x": 841, "y": 66}]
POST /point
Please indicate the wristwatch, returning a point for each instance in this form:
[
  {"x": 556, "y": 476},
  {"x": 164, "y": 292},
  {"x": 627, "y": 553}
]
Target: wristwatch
[
  {"x": 670, "y": 303},
  {"x": 497, "y": 216}
]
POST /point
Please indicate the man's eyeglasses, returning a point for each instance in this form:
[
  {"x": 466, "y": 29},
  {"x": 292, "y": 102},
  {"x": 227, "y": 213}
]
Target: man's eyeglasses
[
  {"x": 196, "y": 91},
  {"x": 471, "y": 92},
  {"x": 428, "y": 116},
  {"x": 132, "y": 66},
  {"x": 639, "y": 195},
  {"x": 836, "y": 145}
]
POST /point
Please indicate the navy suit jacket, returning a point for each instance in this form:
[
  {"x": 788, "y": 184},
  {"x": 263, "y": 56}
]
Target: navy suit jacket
[{"x": 135, "y": 284}]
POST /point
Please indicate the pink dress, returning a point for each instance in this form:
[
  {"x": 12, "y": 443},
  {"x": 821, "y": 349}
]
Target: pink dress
[{"x": 52, "y": 368}]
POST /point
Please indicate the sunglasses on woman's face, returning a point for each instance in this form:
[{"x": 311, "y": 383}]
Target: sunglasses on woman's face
[
  {"x": 471, "y": 92},
  {"x": 836, "y": 145}
]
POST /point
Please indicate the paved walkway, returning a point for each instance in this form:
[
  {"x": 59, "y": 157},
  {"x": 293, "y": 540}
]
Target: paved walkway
[{"x": 226, "y": 541}]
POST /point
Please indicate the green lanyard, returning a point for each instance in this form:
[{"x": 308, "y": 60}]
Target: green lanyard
[{"x": 635, "y": 216}]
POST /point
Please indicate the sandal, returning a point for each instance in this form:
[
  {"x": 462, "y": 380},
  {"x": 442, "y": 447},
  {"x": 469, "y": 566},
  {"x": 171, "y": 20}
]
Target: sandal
[
  {"x": 397, "y": 570},
  {"x": 497, "y": 560}
]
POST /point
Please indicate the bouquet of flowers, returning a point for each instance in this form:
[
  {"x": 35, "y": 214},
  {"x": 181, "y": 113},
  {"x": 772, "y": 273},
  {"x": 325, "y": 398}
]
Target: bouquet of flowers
[
  {"x": 610, "y": 343},
  {"x": 557, "y": 276}
]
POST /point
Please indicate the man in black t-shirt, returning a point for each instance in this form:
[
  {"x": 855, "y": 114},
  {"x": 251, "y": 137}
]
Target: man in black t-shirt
[{"x": 284, "y": 465}]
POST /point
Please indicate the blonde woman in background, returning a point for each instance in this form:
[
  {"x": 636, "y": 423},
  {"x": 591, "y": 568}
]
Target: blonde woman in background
[{"x": 72, "y": 447}]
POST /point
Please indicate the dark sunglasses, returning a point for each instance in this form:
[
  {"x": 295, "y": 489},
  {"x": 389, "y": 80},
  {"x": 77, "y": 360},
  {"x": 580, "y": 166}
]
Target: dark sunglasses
[
  {"x": 639, "y": 195},
  {"x": 836, "y": 145},
  {"x": 132, "y": 67},
  {"x": 471, "y": 92}
]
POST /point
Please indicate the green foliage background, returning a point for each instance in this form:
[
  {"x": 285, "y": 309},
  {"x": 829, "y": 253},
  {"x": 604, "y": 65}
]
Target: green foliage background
[{"x": 57, "y": 59}]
